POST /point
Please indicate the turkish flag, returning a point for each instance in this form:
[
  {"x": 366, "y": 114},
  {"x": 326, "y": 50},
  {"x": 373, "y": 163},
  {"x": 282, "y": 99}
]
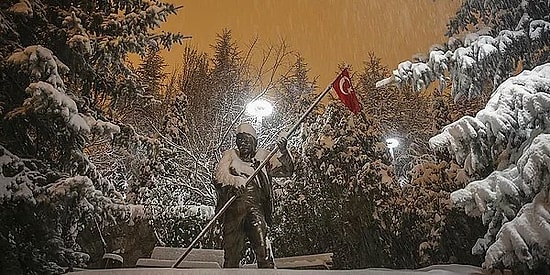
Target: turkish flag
[{"x": 342, "y": 86}]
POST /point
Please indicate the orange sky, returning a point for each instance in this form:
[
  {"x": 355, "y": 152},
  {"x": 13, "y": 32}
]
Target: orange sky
[{"x": 325, "y": 32}]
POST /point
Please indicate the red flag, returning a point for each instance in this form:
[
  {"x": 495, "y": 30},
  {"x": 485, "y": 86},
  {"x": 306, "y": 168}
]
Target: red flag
[{"x": 342, "y": 86}]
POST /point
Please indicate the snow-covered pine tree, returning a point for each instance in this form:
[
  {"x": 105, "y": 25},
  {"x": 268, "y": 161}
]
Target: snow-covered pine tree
[
  {"x": 62, "y": 63},
  {"x": 489, "y": 41},
  {"x": 296, "y": 91},
  {"x": 421, "y": 215},
  {"x": 505, "y": 143},
  {"x": 341, "y": 163},
  {"x": 193, "y": 82},
  {"x": 144, "y": 111},
  {"x": 212, "y": 97},
  {"x": 230, "y": 89},
  {"x": 216, "y": 90},
  {"x": 396, "y": 112},
  {"x": 152, "y": 73}
]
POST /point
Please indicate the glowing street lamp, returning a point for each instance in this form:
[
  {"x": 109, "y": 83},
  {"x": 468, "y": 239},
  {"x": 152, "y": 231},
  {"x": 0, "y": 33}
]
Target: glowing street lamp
[
  {"x": 259, "y": 108},
  {"x": 392, "y": 143}
]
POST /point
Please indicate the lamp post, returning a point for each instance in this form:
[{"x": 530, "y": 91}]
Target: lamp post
[
  {"x": 392, "y": 143},
  {"x": 259, "y": 108}
]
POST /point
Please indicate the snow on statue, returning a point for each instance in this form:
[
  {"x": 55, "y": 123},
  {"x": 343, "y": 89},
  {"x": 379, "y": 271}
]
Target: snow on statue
[{"x": 250, "y": 214}]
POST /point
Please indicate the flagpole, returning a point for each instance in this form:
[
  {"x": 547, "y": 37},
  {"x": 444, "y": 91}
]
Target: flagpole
[{"x": 262, "y": 165}]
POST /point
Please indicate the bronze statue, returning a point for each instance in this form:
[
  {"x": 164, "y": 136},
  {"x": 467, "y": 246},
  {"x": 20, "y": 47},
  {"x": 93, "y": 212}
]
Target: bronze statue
[{"x": 250, "y": 214}]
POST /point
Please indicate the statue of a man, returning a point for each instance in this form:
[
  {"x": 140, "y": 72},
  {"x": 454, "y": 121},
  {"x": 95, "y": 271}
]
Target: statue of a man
[{"x": 250, "y": 214}]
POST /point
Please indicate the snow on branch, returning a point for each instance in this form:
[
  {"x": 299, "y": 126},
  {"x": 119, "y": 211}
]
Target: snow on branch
[
  {"x": 479, "y": 197},
  {"x": 498, "y": 197},
  {"x": 41, "y": 64},
  {"x": 21, "y": 181},
  {"x": 23, "y": 7},
  {"x": 534, "y": 165},
  {"x": 126, "y": 30},
  {"x": 15, "y": 178},
  {"x": 77, "y": 38},
  {"x": 47, "y": 92},
  {"x": 524, "y": 239},
  {"x": 102, "y": 128},
  {"x": 46, "y": 99},
  {"x": 517, "y": 107},
  {"x": 510, "y": 134},
  {"x": 481, "y": 58},
  {"x": 539, "y": 30}
]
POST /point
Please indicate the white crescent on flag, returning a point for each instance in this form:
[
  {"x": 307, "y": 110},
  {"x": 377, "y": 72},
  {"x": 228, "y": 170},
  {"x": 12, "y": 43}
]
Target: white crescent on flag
[{"x": 345, "y": 89}]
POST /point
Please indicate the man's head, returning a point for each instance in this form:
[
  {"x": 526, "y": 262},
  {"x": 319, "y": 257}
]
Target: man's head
[
  {"x": 247, "y": 129},
  {"x": 246, "y": 140}
]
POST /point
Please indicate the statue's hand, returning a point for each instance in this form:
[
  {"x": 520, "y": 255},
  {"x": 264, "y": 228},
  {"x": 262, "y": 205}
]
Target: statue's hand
[
  {"x": 240, "y": 190},
  {"x": 281, "y": 143},
  {"x": 240, "y": 182}
]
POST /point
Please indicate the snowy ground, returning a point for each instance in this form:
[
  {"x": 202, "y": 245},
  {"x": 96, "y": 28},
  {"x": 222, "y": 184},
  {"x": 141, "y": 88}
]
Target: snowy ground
[{"x": 436, "y": 269}]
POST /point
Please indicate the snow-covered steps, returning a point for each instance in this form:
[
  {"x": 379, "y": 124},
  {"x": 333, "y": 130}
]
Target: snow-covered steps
[
  {"x": 197, "y": 258},
  {"x": 212, "y": 258},
  {"x": 169, "y": 263},
  {"x": 432, "y": 270},
  {"x": 315, "y": 261}
]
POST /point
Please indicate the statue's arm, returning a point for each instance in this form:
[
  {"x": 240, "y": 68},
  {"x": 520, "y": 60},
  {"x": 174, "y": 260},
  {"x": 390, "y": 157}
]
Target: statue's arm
[{"x": 282, "y": 165}]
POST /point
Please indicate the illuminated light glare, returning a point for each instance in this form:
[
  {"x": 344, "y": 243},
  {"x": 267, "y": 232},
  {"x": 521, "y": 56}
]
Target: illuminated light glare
[
  {"x": 259, "y": 108},
  {"x": 392, "y": 143}
]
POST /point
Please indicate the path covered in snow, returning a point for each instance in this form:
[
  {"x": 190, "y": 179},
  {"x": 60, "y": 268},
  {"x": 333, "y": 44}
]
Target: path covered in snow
[{"x": 436, "y": 269}]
